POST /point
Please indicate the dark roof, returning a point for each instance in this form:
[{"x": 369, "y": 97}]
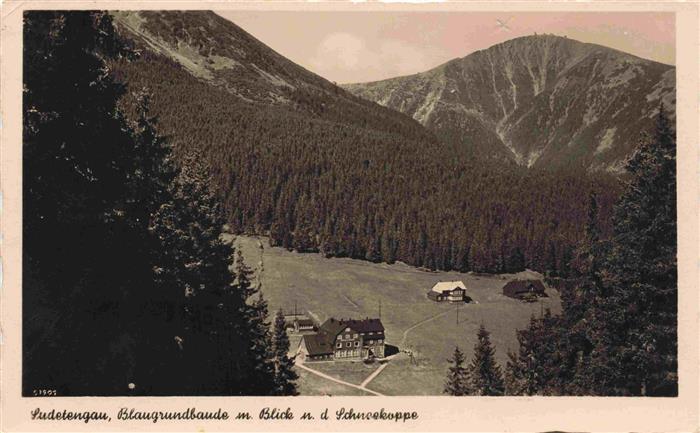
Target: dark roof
[
  {"x": 517, "y": 287},
  {"x": 365, "y": 325},
  {"x": 318, "y": 344},
  {"x": 334, "y": 326}
]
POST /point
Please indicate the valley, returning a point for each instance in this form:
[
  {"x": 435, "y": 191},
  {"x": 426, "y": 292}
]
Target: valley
[{"x": 347, "y": 288}]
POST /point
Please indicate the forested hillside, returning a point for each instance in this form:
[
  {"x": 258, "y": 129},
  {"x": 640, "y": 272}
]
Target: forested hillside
[{"x": 321, "y": 170}]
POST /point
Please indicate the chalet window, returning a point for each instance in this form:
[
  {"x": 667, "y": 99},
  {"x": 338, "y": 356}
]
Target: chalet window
[
  {"x": 354, "y": 336},
  {"x": 379, "y": 341},
  {"x": 348, "y": 344},
  {"x": 357, "y": 343},
  {"x": 371, "y": 342},
  {"x": 371, "y": 333},
  {"x": 339, "y": 345}
]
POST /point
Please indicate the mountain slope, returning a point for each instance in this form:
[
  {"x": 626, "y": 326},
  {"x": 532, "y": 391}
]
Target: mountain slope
[
  {"x": 218, "y": 52},
  {"x": 544, "y": 100},
  {"x": 317, "y": 168}
]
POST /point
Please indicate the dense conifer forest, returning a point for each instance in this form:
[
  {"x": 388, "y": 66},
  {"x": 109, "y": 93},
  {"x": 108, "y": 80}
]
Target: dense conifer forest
[{"x": 323, "y": 177}]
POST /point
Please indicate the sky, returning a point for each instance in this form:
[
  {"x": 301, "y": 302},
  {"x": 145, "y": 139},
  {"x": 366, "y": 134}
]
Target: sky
[{"x": 359, "y": 46}]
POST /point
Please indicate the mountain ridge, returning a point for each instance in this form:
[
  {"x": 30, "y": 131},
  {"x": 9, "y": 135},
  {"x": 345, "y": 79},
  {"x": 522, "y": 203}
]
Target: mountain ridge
[{"x": 509, "y": 94}]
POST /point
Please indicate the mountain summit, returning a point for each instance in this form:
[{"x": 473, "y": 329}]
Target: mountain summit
[{"x": 539, "y": 100}]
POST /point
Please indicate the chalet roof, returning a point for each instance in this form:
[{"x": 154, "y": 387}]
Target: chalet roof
[
  {"x": 365, "y": 325},
  {"x": 523, "y": 286},
  {"x": 448, "y": 285},
  {"x": 305, "y": 322},
  {"x": 318, "y": 344},
  {"x": 334, "y": 326}
]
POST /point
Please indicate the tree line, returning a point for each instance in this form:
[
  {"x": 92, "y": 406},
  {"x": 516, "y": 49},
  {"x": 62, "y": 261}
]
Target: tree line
[
  {"x": 128, "y": 288},
  {"x": 618, "y": 332},
  {"x": 315, "y": 176}
]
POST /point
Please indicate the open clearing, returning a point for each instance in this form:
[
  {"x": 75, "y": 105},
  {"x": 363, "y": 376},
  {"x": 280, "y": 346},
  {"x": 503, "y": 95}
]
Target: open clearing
[
  {"x": 354, "y": 372},
  {"x": 347, "y": 288},
  {"x": 310, "y": 384}
]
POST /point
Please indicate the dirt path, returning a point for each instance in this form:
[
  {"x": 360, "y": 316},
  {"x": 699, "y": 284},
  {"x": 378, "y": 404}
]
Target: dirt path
[
  {"x": 373, "y": 375},
  {"x": 350, "y": 301},
  {"x": 342, "y": 382},
  {"x": 424, "y": 321}
]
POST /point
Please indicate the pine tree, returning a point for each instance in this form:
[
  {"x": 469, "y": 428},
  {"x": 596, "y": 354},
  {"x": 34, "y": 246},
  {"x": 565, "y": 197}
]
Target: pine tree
[
  {"x": 485, "y": 375},
  {"x": 636, "y": 337},
  {"x": 540, "y": 366},
  {"x": 513, "y": 380},
  {"x": 521, "y": 368},
  {"x": 304, "y": 236},
  {"x": 285, "y": 376},
  {"x": 150, "y": 189},
  {"x": 457, "y": 378},
  {"x": 388, "y": 244},
  {"x": 195, "y": 268},
  {"x": 80, "y": 232},
  {"x": 580, "y": 306},
  {"x": 259, "y": 355}
]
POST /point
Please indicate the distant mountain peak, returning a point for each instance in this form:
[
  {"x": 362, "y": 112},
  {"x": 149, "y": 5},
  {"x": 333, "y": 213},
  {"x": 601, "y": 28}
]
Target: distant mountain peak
[{"x": 540, "y": 100}]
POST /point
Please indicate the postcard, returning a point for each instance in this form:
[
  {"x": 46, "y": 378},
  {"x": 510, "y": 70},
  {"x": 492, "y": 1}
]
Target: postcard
[{"x": 251, "y": 216}]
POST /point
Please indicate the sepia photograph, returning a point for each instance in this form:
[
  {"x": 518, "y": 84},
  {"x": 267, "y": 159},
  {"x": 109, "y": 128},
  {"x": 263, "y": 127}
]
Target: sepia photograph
[
  {"x": 362, "y": 203},
  {"x": 249, "y": 216}
]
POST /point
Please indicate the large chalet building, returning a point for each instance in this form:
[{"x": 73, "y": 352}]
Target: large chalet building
[
  {"x": 525, "y": 289},
  {"x": 449, "y": 291},
  {"x": 344, "y": 339}
]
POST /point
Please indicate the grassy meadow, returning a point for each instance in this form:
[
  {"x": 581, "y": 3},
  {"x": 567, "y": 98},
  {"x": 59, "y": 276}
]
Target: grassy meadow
[{"x": 347, "y": 288}]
